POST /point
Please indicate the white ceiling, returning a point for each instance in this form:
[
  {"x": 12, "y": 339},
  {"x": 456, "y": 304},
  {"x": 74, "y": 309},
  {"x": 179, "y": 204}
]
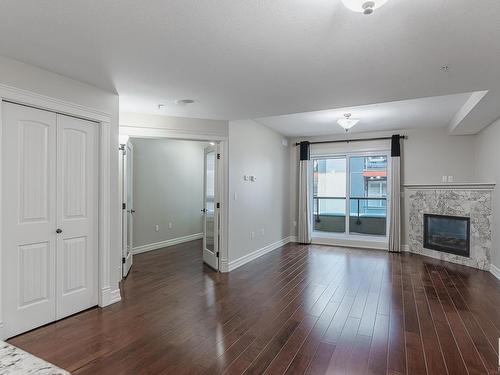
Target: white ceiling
[
  {"x": 249, "y": 59},
  {"x": 422, "y": 113}
]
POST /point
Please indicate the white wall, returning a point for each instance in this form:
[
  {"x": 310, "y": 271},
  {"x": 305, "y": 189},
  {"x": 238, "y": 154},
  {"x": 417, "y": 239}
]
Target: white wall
[
  {"x": 264, "y": 204},
  {"x": 488, "y": 170},
  {"x": 168, "y": 188},
  {"x": 23, "y": 76},
  {"x": 427, "y": 155}
]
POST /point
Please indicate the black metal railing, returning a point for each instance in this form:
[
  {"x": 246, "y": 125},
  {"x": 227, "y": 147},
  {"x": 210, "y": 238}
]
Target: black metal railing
[{"x": 359, "y": 208}]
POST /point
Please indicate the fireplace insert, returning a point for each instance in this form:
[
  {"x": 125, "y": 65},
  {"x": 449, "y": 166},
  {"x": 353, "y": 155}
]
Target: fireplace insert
[{"x": 449, "y": 234}]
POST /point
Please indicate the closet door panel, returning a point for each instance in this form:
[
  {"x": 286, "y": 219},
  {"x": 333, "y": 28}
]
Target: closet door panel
[
  {"x": 77, "y": 215},
  {"x": 28, "y": 217}
]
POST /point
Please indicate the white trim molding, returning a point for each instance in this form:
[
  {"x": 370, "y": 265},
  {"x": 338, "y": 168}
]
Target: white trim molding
[
  {"x": 495, "y": 271},
  {"x": 405, "y": 248},
  {"x": 166, "y": 243},
  {"x": 232, "y": 265},
  {"x": 109, "y": 296},
  {"x": 151, "y": 132}
]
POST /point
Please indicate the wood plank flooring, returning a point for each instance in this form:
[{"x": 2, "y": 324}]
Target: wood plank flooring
[{"x": 297, "y": 310}]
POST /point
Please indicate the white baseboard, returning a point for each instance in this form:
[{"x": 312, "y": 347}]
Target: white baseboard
[
  {"x": 115, "y": 296},
  {"x": 405, "y": 248},
  {"x": 109, "y": 296},
  {"x": 232, "y": 265},
  {"x": 167, "y": 243},
  {"x": 495, "y": 271}
]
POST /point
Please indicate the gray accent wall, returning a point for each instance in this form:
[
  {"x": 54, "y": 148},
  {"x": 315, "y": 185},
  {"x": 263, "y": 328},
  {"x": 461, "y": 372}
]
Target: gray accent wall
[
  {"x": 168, "y": 188},
  {"x": 260, "y": 207}
]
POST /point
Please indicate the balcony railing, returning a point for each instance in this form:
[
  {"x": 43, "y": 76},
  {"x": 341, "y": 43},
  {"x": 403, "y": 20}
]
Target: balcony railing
[{"x": 368, "y": 215}]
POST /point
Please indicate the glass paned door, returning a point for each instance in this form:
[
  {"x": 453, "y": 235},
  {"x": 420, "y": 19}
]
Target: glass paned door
[
  {"x": 368, "y": 195},
  {"x": 329, "y": 194},
  {"x": 210, "y": 211}
]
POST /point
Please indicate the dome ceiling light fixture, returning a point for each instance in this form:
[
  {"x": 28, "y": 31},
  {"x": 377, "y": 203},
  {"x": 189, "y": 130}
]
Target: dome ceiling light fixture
[
  {"x": 363, "y": 6},
  {"x": 347, "y": 122}
]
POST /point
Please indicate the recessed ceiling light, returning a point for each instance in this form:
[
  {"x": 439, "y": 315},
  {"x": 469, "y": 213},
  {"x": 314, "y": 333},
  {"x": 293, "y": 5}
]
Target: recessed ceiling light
[
  {"x": 363, "y": 6},
  {"x": 347, "y": 122},
  {"x": 445, "y": 68},
  {"x": 184, "y": 101}
]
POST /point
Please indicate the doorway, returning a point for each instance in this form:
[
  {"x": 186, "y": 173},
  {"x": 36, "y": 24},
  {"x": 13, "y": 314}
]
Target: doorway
[{"x": 170, "y": 195}]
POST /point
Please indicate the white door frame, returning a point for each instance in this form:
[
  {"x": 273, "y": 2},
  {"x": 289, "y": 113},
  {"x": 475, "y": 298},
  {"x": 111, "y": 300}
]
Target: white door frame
[
  {"x": 28, "y": 98},
  {"x": 222, "y": 171}
]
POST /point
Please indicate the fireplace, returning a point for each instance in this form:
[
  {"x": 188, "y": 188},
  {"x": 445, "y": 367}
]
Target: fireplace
[{"x": 450, "y": 234}]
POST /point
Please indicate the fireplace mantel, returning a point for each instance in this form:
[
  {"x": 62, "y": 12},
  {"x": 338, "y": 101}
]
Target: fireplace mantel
[{"x": 453, "y": 186}]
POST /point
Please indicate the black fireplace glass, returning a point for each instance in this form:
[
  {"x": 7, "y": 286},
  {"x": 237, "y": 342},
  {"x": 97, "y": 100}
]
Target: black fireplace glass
[{"x": 450, "y": 234}]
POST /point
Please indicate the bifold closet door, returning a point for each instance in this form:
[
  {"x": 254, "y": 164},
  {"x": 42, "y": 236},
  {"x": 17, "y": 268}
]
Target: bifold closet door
[
  {"x": 49, "y": 216},
  {"x": 77, "y": 215},
  {"x": 28, "y": 217}
]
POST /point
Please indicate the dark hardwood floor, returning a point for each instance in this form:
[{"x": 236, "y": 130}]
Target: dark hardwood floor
[{"x": 300, "y": 309}]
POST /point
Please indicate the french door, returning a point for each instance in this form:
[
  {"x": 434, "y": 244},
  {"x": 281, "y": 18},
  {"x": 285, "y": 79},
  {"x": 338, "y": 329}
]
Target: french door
[
  {"x": 126, "y": 168},
  {"x": 49, "y": 216},
  {"x": 350, "y": 194},
  {"x": 210, "y": 209}
]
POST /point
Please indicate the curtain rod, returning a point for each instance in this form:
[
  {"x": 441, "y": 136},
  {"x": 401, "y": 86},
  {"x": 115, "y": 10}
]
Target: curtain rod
[{"x": 354, "y": 140}]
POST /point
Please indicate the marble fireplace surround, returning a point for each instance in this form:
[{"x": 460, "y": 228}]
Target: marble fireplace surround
[{"x": 469, "y": 200}]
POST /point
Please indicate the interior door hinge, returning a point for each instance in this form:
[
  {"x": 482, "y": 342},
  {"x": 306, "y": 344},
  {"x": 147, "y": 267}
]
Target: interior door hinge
[
  {"x": 218, "y": 205},
  {"x": 218, "y": 156},
  {"x": 124, "y": 206},
  {"x": 217, "y": 254},
  {"x": 123, "y": 260}
]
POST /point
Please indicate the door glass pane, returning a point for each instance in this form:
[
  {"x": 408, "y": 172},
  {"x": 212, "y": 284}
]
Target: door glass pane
[
  {"x": 210, "y": 200},
  {"x": 368, "y": 195},
  {"x": 129, "y": 203},
  {"x": 329, "y": 194}
]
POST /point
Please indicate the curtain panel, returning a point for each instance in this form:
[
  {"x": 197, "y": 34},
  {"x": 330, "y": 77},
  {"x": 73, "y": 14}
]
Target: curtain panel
[
  {"x": 395, "y": 198},
  {"x": 305, "y": 209}
]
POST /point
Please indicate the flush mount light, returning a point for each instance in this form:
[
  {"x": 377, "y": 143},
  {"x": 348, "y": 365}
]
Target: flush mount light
[
  {"x": 182, "y": 102},
  {"x": 161, "y": 106},
  {"x": 363, "y": 6},
  {"x": 347, "y": 122}
]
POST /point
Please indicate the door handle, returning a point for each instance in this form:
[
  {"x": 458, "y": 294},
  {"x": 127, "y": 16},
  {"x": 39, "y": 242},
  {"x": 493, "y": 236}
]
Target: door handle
[
  {"x": 203, "y": 210},
  {"x": 58, "y": 230},
  {"x": 132, "y": 211}
]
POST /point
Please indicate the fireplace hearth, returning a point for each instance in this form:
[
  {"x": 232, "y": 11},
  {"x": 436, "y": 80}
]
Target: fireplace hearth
[{"x": 449, "y": 234}]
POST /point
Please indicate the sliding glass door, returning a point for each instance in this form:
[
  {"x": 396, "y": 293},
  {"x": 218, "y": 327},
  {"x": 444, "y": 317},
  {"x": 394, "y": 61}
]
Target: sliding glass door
[
  {"x": 355, "y": 184},
  {"x": 329, "y": 194}
]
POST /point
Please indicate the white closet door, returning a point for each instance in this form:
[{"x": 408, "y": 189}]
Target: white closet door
[
  {"x": 28, "y": 217},
  {"x": 77, "y": 215}
]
